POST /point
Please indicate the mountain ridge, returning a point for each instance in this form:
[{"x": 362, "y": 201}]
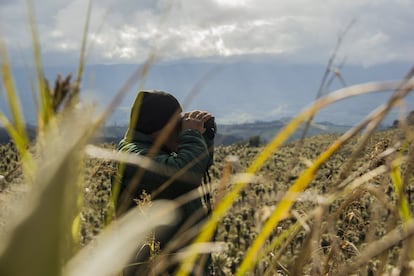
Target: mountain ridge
[{"x": 227, "y": 134}]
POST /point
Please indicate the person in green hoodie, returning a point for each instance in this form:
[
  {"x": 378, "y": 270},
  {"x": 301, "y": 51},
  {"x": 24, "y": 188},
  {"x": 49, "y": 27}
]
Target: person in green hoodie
[{"x": 181, "y": 146}]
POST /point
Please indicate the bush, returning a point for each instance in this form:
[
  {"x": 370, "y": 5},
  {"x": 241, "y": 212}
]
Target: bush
[{"x": 254, "y": 141}]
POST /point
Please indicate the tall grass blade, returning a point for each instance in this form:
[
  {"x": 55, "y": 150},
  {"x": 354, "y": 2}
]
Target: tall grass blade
[
  {"x": 17, "y": 129},
  {"x": 403, "y": 205},
  {"x": 12, "y": 96},
  {"x": 286, "y": 235},
  {"x": 72, "y": 101},
  {"x": 45, "y": 110},
  {"x": 75, "y": 92},
  {"x": 28, "y": 164},
  {"x": 324, "y": 83}
]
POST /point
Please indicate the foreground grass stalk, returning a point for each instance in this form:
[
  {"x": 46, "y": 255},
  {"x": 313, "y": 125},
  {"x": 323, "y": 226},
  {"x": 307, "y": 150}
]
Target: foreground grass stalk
[
  {"x": 403, "y": 208},
  {"x": 21, "y": 143},
  {"x": 45, "y": 111},
  {"x": 72, "y": 101},
  {"x": 325, "y": 82},
  {"x": 403, "y": 205},
  {"x": 12, "y": 98},
  {"x": 285, "y": 237},
  {"x": 75, "y": 92},
  {"x": 17, "y": 130}
]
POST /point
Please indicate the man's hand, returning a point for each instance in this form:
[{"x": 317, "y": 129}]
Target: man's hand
[{"x": 195, "y": 120}]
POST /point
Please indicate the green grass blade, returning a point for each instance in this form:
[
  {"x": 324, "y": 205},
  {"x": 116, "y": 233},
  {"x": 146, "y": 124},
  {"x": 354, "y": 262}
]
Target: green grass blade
[
  {"x": 45, "y": 110},
  {"x": 14, "y": 134},
  {"x": 82, "y": 53},
  {"x": 277, "y": 241},
  {"x": 12, "y": 96},
  {"x": 21, "y": 145},
  {"x": 74, "y": 97},
  {"x": 17, "y": 130},
  {"x": 403, "y": 205}
]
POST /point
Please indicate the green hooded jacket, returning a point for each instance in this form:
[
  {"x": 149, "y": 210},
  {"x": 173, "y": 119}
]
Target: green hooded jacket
[{"x": 192, "y": 149}]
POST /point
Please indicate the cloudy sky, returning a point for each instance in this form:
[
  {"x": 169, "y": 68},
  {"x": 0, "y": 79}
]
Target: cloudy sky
[{"x": 124, "y": 31}]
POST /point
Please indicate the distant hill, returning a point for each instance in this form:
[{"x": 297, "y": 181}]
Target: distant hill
[
  {"x": 238, "y": 133},
  {"x": 267, "y": 130},
  {"x": 5, "y": 138},
  {"x": 227, "y": 133}
]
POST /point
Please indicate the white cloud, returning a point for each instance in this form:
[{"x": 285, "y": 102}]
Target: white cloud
[
  {"x": 295, "y": 30},
  {"x": 232, "y": 3},
  {"x": 237, "y": 117},
  {"x": 280, "y": 111}
]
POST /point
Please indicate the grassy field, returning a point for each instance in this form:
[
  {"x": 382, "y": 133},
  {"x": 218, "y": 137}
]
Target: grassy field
[{"x": 324, "y": 235}]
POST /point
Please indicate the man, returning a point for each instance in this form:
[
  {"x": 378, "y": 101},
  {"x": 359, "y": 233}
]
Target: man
[{"x": 176, "y": 143}]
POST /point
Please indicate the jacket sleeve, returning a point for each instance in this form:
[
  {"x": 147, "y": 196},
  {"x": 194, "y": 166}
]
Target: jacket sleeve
[
  {"x": 192, "y": 154},
  {"x": 190, "y": 162}
]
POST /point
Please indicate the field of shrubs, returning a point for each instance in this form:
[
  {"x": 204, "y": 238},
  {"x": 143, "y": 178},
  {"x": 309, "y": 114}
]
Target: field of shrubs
[{"x": 328, "y": 231}]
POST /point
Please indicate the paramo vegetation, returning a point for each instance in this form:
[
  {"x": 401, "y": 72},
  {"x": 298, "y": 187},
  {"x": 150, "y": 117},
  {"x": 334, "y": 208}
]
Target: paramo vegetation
[{"x": 352, "y": 222}]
